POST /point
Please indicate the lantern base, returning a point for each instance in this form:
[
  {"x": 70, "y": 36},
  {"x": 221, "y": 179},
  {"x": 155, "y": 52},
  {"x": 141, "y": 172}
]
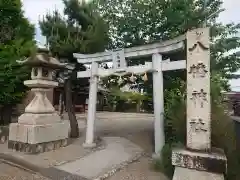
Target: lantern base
[{"x": 37, "y": 138}]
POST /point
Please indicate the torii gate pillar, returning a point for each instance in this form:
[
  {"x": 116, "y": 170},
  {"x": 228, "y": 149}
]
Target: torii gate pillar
[
  {"x": 158, "y": 98},
  {"x": 89, "y": 143}
]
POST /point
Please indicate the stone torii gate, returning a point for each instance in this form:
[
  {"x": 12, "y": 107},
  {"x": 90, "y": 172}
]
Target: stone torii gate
[{"x": 117, "y": 57}]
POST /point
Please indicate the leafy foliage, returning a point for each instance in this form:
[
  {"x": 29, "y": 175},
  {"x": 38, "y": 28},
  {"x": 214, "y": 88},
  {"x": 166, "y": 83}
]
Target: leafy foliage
[
  {"x": 165, "y": 165},
  {"x": 13, "y": 23},
  {"x": 124, "y": 99},
  {"x": 16, "y": 42},
  {"x": 138, "y": 22},
  {"x": 81, "y": 30},
  {"x": 175, "y": 108},
  {"x": 12, "y": 74}
]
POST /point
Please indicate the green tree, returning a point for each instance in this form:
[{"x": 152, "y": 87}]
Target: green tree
[
  {"x": 16, "y": 42},
  {"x": 138, "y": 22},
  {"x": 81, "y": 30}
]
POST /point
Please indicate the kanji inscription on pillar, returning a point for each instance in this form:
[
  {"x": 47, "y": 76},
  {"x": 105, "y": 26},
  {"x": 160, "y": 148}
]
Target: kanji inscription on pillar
[
  {"x": 199, "y": 98},
  {"x": 198, "y": 70},
  {"x": 198, "y": 125},
  {"x": 198, "y": 90}
]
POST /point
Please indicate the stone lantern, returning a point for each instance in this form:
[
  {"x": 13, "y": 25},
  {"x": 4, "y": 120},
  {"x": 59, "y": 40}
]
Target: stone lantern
[{"x": 40, "y": 128}]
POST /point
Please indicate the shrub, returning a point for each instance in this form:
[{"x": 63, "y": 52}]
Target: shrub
[{"x": 165, "y": 165}]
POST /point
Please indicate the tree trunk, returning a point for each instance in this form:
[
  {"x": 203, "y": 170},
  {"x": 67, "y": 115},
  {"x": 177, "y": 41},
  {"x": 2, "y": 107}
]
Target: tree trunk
[
  {"x": 1, "y": 115},
  {"x": 138, "y": 105},
  {"x": 74, "y": 130},
  {"x": 6, "y": 114},
  {"x": 114, "y": 107},
  {"x": 60, "y": 106}
]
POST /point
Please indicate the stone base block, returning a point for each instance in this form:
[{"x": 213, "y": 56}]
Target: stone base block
[
  {"x": 192, "y": 174},
  {"x": 191, "y": 164},
  {"x": 37, "y": 138},
  {"x": 37, "y": 148}
]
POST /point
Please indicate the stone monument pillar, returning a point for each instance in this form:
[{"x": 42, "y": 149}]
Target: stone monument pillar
[
  {"x": 199, "y": 159},
  {"x": 40, "y": 128}
]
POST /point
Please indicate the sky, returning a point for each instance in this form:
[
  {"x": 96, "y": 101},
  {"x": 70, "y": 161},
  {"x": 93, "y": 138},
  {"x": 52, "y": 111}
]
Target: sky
[{"x": 35, "y": 9}]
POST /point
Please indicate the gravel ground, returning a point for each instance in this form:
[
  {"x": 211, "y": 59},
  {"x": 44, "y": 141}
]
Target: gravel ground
[
  {"x": 138, "y": 129},
  {"x": 140, "y": 170},
  {"x": 9, "y": 172}
]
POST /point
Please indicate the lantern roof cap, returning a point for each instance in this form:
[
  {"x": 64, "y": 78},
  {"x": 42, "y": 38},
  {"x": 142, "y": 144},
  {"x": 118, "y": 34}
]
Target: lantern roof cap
[{"x": 43, "y": 59}]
